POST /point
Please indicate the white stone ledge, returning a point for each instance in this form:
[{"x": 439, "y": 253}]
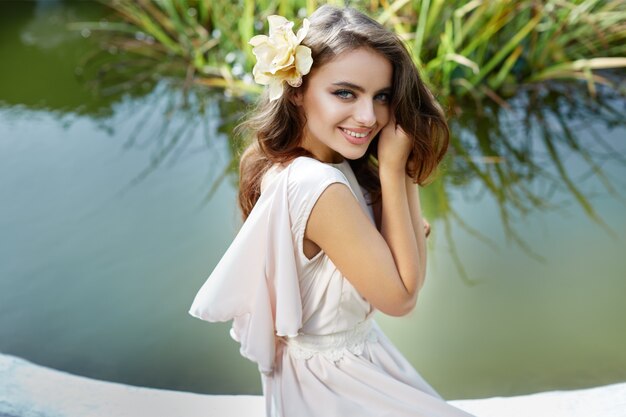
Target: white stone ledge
[{"x": 30, "y": 390}]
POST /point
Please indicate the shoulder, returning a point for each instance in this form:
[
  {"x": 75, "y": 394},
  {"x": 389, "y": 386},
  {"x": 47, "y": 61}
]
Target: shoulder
[
  {"x": 309, "y": 173},
  {"x": 307, "y": 180},
  {"x": 302, "y": 174}
]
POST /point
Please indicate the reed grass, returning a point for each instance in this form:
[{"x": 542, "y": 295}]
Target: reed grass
[{"x": 476, "y": 48}]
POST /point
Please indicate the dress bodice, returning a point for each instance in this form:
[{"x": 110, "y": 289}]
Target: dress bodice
[{"x": 330, "y": 303}]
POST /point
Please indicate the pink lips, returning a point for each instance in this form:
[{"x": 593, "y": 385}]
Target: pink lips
[{"x": 353, "y": 140}]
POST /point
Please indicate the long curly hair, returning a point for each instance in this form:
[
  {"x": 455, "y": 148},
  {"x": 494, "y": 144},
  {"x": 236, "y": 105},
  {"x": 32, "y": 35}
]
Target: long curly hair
[{"x": 276, "y": 127}]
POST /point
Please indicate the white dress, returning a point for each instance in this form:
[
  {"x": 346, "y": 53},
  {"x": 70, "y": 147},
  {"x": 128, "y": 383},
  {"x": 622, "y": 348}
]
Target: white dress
[{"x": 319, "y": 351}]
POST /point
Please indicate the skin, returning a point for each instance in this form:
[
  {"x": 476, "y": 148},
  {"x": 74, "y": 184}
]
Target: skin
[{"x": 385, "y": 263}]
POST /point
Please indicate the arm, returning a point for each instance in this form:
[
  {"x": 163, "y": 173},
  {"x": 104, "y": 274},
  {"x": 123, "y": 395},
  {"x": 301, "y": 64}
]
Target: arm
[
  {"x": 414, "y": 206},
  {"x": 398, "y": 231},
  {"x": 340, "y": 227},
  {"x": 421, "y": 234},
  {"x": 385, "y": 267},
  {"x": 420, "y": 228}
]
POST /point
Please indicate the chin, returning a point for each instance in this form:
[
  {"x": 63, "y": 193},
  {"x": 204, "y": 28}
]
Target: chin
[{"x": 353, "y": 154}]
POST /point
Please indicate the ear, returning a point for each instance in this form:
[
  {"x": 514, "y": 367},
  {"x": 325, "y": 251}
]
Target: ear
[{"x": 297, "y": 97}]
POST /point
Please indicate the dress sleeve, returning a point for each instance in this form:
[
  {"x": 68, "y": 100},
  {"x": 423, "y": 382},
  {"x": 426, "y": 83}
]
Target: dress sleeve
[
  {"x": 306, "y": 184},
  {"x": 258, "y": 265},
  {"x": 255, "y": 284}
]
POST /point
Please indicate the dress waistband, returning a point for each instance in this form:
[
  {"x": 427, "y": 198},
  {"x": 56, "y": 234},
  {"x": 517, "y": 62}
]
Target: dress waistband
[{"x": 332, "y": 346}]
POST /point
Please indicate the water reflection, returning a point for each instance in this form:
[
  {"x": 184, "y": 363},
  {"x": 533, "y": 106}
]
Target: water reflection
[
  {"x": 40, "y": 65},
  {"x": 516, "y": 154}
]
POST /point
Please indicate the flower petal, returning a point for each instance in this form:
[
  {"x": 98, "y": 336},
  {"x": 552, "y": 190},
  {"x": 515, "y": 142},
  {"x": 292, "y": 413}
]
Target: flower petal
[
  {"x": 303, "y": 59},
  {"x": 278, "y": 23},
  {"x": 281, "y": 62},
  {"x": 303, "y": 30},
  {"x": 258, "y": 39},
  {"x": 295, "y": 82},
  {"x": 264, "y": 52},
  {"x": 261, "y": 77},
  {"x": 276, "y": 89}
]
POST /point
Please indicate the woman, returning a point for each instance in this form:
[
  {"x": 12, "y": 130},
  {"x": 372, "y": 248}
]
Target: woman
[{"x": 333, "y": 228}]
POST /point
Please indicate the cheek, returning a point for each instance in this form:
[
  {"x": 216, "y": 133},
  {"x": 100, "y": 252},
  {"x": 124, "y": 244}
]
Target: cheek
[
  {"x": 315, "y": 107},
  {"x": 383, "y": 115},
  {"x": 326, "y": 110}
]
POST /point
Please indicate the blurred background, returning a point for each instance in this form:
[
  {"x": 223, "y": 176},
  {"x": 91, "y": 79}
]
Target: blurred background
[{"x": 118, "y": 188}]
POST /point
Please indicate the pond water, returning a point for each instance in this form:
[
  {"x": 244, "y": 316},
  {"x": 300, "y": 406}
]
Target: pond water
[{"x": 110, "y": 223}]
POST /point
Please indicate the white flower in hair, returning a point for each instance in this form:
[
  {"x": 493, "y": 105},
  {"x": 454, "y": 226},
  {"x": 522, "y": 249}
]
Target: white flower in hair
[{"x": 280, "y": 57}]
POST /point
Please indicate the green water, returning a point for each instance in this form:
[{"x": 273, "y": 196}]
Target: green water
[{"x": 108, "y": 227}]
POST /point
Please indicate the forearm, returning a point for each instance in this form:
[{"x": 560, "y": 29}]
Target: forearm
[
  {"x": 397, "y": 230},
  {"x": 417, "y": 222}
]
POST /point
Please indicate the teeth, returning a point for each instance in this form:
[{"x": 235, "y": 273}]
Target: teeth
[{"x": 356, "y": 135}]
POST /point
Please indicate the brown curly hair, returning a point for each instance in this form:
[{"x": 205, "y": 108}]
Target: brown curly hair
[{"x": 276, "y": 127}]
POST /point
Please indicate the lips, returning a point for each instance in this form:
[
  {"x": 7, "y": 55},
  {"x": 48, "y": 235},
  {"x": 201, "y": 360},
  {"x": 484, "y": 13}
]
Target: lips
[{"x": 356, "y": 140}]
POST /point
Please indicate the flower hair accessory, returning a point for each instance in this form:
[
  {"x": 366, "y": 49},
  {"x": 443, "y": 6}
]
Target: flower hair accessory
[{"x": 280, "y": 57}]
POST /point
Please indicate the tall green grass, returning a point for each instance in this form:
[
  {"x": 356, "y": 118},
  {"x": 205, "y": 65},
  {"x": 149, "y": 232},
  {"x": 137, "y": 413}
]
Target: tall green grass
[{"x": 475, "y": 48}]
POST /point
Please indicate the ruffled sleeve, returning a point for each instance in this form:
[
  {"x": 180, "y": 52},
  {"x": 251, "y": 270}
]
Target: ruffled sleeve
[{"x": 256, "y": 282}]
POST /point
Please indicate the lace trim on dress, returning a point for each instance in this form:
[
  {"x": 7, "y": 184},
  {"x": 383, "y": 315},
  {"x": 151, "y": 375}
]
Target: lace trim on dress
[{"x": 332, "y": 346}]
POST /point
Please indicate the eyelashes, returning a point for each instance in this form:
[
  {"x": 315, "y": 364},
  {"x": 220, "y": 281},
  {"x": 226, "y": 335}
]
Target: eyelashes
[
  {"x": 347, "y": 94},
  {"x": 384, "y": 97},
  {"x": 344, "y": 94}
]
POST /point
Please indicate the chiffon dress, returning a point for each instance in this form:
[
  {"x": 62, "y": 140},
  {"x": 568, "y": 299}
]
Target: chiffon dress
[{"x": 319, "y": 350}]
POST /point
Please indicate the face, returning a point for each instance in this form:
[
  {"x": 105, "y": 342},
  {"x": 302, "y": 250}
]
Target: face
[{"x": 346, "y": 103}]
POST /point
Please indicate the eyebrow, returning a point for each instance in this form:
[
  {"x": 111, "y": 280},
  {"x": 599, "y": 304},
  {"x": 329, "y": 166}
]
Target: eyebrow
[{"x": 359, "y": 88}]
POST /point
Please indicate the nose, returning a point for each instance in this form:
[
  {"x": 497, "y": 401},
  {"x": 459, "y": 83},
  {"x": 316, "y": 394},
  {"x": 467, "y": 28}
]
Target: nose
[{"x": 364, "y": 113}]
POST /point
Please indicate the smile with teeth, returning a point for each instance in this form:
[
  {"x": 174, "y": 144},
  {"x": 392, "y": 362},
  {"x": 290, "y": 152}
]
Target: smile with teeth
[{"x": 356, "y": 135}]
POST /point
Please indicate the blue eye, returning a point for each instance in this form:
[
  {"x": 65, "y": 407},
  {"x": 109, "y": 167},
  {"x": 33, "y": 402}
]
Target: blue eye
[
  {"x": 384, "y": 97},
  {"x": 344, "y": 94}
]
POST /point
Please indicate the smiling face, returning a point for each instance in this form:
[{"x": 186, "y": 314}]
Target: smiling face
[{"x": 346, "y": 103}]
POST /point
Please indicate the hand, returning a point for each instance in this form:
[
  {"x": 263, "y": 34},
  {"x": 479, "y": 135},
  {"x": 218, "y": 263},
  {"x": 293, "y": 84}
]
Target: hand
[
  {"x": 394, "y": 146},
  {"x": 426, "y": 227}
]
